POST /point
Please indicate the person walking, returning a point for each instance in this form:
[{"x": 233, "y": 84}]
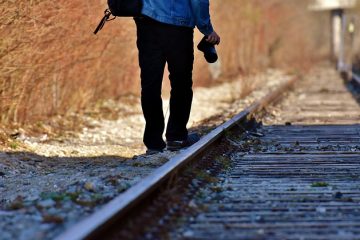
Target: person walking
[{"x": 165, "y": 33}]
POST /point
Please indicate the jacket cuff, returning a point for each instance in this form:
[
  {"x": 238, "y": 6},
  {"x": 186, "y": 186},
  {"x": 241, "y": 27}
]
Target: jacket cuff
[{"x": 206, "y": 30}]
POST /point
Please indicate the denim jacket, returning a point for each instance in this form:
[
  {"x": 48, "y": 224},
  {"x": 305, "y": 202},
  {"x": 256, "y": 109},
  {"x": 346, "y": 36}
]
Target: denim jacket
[{"x": 187, "y": 13}]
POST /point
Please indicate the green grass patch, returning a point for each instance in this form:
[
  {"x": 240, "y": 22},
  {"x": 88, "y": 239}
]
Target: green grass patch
[
  {"x": 14, "y": 145},
  {"x": 319, "y": 184},
  {"x": 58, "y": 197}
]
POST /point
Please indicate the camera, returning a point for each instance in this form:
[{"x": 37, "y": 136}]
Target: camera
[{"x": 208, "y": 49}]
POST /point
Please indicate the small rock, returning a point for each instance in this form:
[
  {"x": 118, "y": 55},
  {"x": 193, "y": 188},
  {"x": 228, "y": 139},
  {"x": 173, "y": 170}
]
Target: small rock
[
  {"x": 46, "y": 203},
  {"x": 188, "y": 234},
  {"x": 123, "y": 187},
  {"x": 90, "y": 186},
  {"x": 321, "y": 209},
  {"x": 192, "y": 204},
  {"x": 17, "y": 204},
  {"x": 86, "y": 201},
  {"x": 161, "y": 222},
  {"x": 149, "y": 236},
  {"x": 43, "y": 138},
  {"x": 195, "y": 182},
  {"x": 259, "y": 219},
  {"x": 6, "y": 213},
  {"x": 53, "y": 219},
  {"x": 338, "y": 195},
  {"x": 18, "y": 134}
]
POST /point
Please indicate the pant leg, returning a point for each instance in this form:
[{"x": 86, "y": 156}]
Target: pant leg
[
  {"x": 152, "y": 63},
  {"x": 180, "y": 58}
]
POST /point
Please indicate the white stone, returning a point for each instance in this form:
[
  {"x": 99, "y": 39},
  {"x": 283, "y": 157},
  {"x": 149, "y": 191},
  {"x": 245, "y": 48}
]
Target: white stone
[{"x": 321, "y": 209}]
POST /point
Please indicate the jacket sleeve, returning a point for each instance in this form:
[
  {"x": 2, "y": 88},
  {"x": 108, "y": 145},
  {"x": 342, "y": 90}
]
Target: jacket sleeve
[{"x": 201, "y": 14}]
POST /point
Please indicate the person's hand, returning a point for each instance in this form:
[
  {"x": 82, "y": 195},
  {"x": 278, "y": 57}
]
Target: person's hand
[{"x": 213, "y": 38}]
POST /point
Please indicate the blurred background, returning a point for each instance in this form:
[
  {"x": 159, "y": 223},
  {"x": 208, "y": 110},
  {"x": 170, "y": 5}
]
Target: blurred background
[{"x": 52, "y": 63}]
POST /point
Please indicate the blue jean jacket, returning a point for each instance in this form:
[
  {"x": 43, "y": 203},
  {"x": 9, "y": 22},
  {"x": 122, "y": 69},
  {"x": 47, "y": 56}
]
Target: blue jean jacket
[{"x": 186, "y": 13}]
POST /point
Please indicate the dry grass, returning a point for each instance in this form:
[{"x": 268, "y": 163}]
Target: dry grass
[
  {"x": 52, "y": 64},
  {"x": 271, "y": 33}
]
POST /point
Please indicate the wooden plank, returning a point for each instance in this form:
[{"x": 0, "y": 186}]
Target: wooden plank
[
  {"x": 280, "y": 225},
  {"x": 294, "y": 156}
]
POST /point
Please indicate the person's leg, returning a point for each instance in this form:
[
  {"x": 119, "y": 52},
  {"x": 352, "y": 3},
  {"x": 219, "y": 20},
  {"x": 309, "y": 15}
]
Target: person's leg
[
  {"x": 152, "y": 63},
  {"x": 180, "y": 58}
]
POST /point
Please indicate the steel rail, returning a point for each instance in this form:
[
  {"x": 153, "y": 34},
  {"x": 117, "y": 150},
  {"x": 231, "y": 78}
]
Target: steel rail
[
  {"x": 121, "y": 205},
  {"x": 356, "y": 77}
]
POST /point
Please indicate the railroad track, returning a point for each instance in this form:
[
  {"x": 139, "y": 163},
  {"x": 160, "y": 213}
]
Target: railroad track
[
  {"x": 93, "y": 226},
  {"x": 308, "y": 180},
  {"x": 301, "y": 180}
]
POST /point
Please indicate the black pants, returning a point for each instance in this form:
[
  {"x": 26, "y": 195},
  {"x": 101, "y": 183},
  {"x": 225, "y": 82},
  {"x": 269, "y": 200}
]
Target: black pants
[{"x": 159, "y": 44}]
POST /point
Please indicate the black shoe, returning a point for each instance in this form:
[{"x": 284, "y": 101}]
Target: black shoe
[
  {"x": 150, "y": 151},
  {"x": 177, "y": 145}
]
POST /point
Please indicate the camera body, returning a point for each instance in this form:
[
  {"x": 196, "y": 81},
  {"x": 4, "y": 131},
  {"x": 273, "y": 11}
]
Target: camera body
[{"x": 208, "y": 49}]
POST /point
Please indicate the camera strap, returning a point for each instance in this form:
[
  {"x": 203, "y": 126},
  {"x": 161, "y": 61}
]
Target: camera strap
[{"x": 105, "y": 19}]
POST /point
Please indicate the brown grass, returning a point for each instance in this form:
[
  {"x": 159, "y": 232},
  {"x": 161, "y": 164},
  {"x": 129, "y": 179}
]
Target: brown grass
[{"x": 52, "y": 64}]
